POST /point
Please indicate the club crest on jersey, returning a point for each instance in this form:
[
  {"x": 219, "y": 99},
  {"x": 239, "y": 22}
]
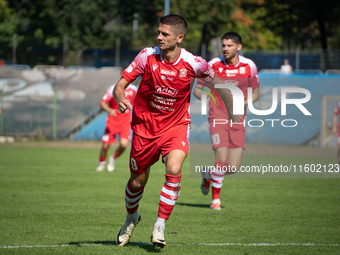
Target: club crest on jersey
[
  {"x": 166, "y": 91},
  {"x": 232, "y": 83},
  {"x": 242, "y": 70},
  {"x": 183, "y": 72},
  {"x": 220, "y": 69}
]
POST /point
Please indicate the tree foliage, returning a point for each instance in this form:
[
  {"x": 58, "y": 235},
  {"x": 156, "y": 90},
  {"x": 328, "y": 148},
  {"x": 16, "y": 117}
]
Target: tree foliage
[
  {"x": 95, "y": 24},
  {"x": 305, "y": 24}
]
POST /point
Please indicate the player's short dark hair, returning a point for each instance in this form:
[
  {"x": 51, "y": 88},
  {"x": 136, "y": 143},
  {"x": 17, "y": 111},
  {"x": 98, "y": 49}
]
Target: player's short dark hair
[
  {"x": 233, "y": 36},
  {"x": 177, "y": 21}
]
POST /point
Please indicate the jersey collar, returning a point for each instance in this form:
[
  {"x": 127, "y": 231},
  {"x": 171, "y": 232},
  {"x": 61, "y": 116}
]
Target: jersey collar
[
  {"x": 228, "y": 65},
  {"x": 172, "y": 63}
]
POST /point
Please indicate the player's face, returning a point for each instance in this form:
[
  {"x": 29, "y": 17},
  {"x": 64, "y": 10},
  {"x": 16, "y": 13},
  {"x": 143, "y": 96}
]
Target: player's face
[
  {"x": 167, "y": 38},
  {"x": 230, "y": 49}
]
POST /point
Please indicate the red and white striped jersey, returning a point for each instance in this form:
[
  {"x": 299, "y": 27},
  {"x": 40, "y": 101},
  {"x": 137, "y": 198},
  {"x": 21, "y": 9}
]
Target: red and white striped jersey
[
  {"x": 243, "y": 75},
  {"x": 121, "y": 118},
  {"x": 163, "y": 95}
]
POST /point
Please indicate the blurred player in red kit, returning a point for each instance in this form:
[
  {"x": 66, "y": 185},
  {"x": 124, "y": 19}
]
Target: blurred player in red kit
[
  {"x": 336, "y": 126},
  {"x": 228, "y": 140},
  {"x": 160, "y": 119},
  {"x": 116, "y": 124}
]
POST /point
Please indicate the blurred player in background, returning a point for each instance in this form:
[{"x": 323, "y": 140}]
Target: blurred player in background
[
  {"x": 286, "y": 68},
  {"x": 116, "y": 124},
  {"x": 228, "y": 140},
  {"x": 336, "y": 126},
  {"x": 160, "y": 119}
]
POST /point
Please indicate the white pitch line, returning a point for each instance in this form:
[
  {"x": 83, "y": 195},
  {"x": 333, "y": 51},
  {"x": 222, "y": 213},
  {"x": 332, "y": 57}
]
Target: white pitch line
[{"x": 179, "y": 244}]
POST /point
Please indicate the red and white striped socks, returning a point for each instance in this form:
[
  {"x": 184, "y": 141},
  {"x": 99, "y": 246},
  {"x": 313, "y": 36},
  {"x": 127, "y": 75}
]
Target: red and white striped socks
[
  {"x": 217, "y": 178},
  {"x": 132, "y": 198},
  {"x": 169, "y": 195}
]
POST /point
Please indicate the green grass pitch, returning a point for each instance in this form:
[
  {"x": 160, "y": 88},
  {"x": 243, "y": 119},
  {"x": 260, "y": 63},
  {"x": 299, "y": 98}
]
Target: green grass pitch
[{"x": 54, "y": 202}]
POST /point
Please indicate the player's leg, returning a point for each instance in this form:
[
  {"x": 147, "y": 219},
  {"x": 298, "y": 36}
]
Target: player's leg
[
  {"x": 174, "y": 146},
  {"x": 143, "y": 154},
  {"x": 123, "y": 143},
  {"x": 134, "y": 190},
  {"x": 234, "y": 159},
  {"x": 219, "y": 135},
  {"x": 108, "y": 138},
  {"x": 102, "y": 156},
  {"x": 169, "y": 194},
  {"x": 217, "y": 176}
]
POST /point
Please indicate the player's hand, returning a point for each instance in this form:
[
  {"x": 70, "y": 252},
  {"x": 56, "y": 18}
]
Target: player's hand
[
  {"x": 334, "y": 130},
  {"x": 237, "y": 118},
  {"x": 124, "y": 105},
  {"x": 113, "y": 112}
]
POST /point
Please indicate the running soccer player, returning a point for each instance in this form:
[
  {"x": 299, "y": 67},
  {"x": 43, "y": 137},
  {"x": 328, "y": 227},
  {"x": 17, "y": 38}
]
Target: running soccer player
[
  {"x": 116, "y": 124},
  {"x": 160, "y": 119},
  {"x": 228, "y": 140},
  {"x": 336, "y": 126}
]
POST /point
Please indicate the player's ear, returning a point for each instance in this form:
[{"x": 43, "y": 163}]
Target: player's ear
[
  {"x": 239, "y": 47},
  {"x": 180, "y": 38}
]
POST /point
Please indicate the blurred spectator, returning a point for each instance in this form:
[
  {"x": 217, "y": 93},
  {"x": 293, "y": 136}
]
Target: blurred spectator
[
  {"x": 286, "y": 68},
  {"x": 2, "y": 62}
]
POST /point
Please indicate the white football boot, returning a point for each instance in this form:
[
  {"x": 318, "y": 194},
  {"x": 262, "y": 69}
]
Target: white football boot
[
  {"x": 100, "y": 168},
  {"x": 125, "y": 232},
  {"x": 157, "y": 237},
  {"x": 111, "y": 165}
]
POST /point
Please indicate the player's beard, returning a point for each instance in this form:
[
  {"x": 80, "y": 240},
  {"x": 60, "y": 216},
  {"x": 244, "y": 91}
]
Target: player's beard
[{"x": 231, "y": 56}]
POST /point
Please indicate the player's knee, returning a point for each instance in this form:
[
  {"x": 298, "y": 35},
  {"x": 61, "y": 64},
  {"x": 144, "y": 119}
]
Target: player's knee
[
  {"x": 124, "y": 143},
  {"x": 174, "y": 169},
  {"x": 137, "y": 184},
  {"x": 106, "y": 146}
]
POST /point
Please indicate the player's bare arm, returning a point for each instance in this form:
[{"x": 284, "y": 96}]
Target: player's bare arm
[
  {"x": 225, "y": 96},
  {"x": 119, "y": 95},
  {"x": 108, "y": 109},
  {"x": 255, "y": 96},
  {"x": 198, "y": 91}
]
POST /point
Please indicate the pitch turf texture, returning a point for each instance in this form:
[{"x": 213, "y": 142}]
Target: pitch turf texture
[{"x": 54, "y": 202}]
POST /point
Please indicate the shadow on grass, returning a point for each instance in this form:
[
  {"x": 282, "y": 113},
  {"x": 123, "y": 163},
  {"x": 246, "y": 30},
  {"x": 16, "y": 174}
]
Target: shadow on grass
[
  {"x": 146, "y": 246},
  {"x": 194, "y": 205}
]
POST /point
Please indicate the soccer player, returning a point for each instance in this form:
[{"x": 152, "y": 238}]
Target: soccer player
[
  {"x": 228, "y": 140},
  {"x": 160, "y": 119},
  {"x": 336, "y": 126},
  {"x": 116, "y": 123}
]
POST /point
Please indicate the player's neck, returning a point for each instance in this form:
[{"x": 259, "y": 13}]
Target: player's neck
[
  {"x": 233, "y": 61},
  {"x": 171, "y": 55}
]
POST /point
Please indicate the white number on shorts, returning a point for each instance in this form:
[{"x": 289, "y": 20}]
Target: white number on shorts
[
  {"x": 215, "y": 139},
  {"x": 134, "y": 164}
]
